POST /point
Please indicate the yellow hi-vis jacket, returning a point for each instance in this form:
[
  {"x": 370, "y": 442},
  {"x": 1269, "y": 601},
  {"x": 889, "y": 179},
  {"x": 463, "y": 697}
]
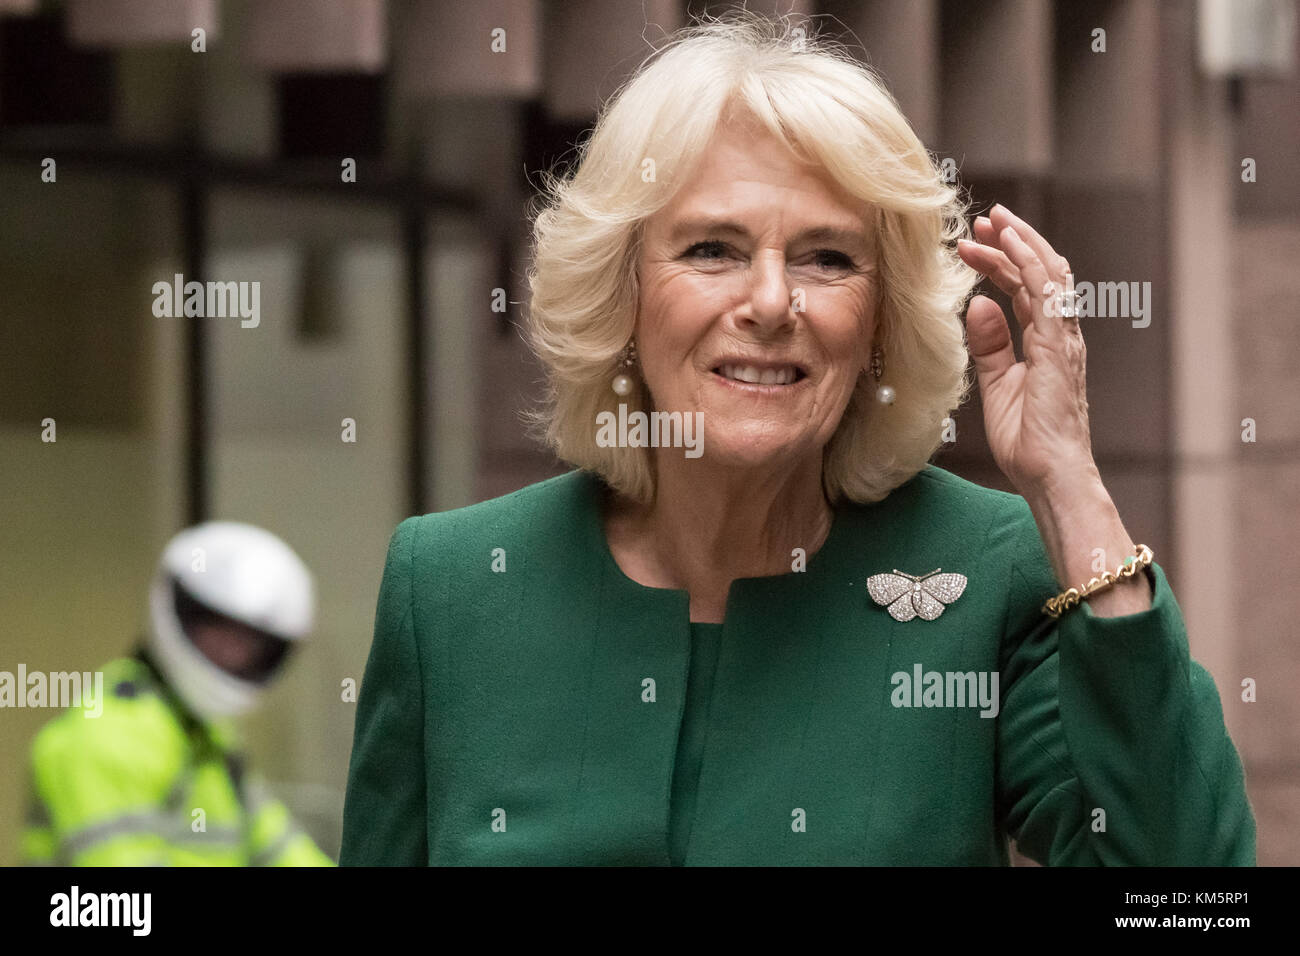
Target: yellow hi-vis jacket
[{"x": 146, "y": 783}]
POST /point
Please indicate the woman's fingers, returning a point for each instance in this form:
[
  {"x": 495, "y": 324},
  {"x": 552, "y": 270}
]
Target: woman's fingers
[
  {"x": 1000, "y": 217},
  {"x": 989, "y": 340},
  {"x": 985, "y": 232},
  {"x": 993, "y": 263},
  {"x": 1021, "y": 263},
  {"x": 1030, "y": 301}
]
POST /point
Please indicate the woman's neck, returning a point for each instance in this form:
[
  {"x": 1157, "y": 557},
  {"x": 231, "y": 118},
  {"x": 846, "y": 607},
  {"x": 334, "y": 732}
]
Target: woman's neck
[{"x": 710, "y": 525}]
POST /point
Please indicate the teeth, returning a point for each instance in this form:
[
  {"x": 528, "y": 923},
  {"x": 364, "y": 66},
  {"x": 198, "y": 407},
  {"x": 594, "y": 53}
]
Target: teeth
[{"x": 755, "y": 376}]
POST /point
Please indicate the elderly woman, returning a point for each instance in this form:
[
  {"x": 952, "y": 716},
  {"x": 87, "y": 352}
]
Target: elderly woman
[{"x": 755, "y": 626}]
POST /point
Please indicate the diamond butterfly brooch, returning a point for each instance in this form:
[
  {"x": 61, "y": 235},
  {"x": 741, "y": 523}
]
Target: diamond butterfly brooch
[{"x": 908, "y": 597}]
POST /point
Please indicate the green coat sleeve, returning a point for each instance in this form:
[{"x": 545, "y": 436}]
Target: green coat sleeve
[
  {"x": 384, "y": 812},
  {"x": 1112, "y": 748}
]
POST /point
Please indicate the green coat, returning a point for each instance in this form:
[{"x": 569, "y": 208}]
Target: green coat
[{"x": 530, "y": 715}]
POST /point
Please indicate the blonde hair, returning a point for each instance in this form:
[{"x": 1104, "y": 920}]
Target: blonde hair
[{"x": 830, "y": 110}]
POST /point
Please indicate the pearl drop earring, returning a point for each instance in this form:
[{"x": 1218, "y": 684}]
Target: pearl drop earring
[
  {"x": 884, "y": 393},
  {"x": 623, "y": 383}
]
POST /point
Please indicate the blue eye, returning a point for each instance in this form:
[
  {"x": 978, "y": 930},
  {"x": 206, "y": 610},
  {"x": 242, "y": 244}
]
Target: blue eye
[
  {"x": 838, "y": 260},
  {"x": 714, "y": 249},
  {"x": 712, "y": 244}
]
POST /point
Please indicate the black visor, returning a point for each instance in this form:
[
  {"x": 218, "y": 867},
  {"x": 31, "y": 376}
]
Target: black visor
[{"x": 268, "y": 651}]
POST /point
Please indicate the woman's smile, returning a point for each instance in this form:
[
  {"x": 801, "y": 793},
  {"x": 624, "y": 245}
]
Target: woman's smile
[{"x": 760, "y": 379}]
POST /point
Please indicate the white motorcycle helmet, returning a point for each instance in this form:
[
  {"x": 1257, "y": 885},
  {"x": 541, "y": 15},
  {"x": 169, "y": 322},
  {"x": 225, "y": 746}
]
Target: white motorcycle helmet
[{"x": 226, "y": 570}]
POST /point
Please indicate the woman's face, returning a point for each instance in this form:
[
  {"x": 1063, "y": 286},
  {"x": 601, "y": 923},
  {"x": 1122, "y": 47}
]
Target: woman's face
[{"x": 758, "y": 293}]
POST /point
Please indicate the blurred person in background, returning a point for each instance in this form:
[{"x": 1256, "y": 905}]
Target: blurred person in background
[{"x": 160, "y": 777}]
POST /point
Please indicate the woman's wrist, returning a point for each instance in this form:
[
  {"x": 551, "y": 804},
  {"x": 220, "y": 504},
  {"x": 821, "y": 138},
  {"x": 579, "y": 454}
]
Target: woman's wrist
[{"x": 1076, "y": 519}]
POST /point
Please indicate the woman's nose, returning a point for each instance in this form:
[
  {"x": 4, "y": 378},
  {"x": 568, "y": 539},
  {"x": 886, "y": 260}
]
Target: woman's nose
[{"x": 770, "y": 295}]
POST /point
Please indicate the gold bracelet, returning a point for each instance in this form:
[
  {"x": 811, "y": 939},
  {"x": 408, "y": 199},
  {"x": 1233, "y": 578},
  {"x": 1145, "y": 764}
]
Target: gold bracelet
[{"x": 1140, "y": 559}]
